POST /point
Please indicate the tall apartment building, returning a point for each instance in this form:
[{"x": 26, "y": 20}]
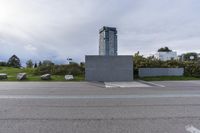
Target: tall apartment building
[{"x": 108, "y": 41}]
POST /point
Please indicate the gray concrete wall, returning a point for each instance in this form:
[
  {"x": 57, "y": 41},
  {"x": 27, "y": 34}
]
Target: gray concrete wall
[
  {"x": 109, "y": 68},
  {"x": 152, "y": 72}
]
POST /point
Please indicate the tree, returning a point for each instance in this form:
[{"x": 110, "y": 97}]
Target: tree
[
  {"x": 36, "y": 65},
  {"x": 190, "y": 57},
  {"x": 14, "y": 61},
  {"x": 40, "y": 64},
  {"x": 82, "y": 67},
  {"x": 29, "y": 64},
  {"x": 165, "y": 49},
  {"x": 3, "y": 63},
  {"x": 47, "y": 63}
]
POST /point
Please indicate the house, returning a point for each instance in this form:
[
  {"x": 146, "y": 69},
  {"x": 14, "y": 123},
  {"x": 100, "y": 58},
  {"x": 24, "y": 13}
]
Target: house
[
  {"x": 165, "y": 56},
  {"x": 191, "y": 56}
]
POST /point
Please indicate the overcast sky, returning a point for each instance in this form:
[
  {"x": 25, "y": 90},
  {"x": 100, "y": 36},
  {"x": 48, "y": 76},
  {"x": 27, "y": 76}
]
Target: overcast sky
[{"x": 58, "y": 29}]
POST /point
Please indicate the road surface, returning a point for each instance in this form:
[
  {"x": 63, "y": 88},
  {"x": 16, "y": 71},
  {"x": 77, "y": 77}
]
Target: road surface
[{"x": 83, "y": 107}]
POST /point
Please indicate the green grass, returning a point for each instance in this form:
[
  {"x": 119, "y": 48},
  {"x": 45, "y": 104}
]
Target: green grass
[
  {"x": 165, "y": 78},
  {"x": 12, "y": 73}
]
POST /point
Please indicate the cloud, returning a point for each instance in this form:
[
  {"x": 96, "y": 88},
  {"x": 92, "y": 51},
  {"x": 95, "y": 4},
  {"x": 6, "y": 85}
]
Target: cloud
[
  {"x": 30, "y": 48},
  {"x": 57, "y": 30}
]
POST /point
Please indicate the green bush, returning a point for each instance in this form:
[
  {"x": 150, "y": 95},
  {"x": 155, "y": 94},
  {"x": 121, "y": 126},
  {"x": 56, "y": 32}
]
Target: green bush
[
  {"x": 73, "y": 69},
  {"x": 60, "y": 69},
  {"x": 43, "y": 70},
  {"x": 192, "y": 68},
  {"x": 3, "y": 64}
]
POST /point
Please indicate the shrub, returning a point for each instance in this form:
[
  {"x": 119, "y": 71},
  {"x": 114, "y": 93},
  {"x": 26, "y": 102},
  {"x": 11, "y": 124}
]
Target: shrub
[
  {"x": 43, "y": 70},
  {"x": 192, "y": 68},
  {"x": 73, "y": 69},
  {"x": 3, "y": 63}
]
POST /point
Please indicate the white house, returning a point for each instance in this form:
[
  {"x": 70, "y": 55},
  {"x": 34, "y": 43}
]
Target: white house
[{"x": 164, "y": 56}]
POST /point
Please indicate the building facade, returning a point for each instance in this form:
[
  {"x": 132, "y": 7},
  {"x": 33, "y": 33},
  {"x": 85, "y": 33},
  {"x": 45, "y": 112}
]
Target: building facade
[
  {"x": 108, "y": 41},
  {"x": 191, "y": 56},
  {"x": 165, "y": 56}
]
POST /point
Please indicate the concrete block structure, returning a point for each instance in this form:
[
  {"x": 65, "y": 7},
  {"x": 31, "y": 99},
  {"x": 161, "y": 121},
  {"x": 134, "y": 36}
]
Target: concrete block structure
[
  {"x": 108, "y": 68},
  {"x": 153, "y": 72}
]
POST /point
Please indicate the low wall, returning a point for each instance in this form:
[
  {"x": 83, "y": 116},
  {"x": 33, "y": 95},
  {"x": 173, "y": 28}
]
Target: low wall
[
  {"x": 152, "y": 72},
  {"x": 108, "y": 68}
]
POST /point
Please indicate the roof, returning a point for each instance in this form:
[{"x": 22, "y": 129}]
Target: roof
[{"x": 105, "y": 28}]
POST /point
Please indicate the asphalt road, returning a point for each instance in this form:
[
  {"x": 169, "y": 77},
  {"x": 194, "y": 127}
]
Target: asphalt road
[{"x": 83, "y": 107}]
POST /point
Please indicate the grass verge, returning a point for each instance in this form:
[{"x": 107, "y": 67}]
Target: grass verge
[{"x": 12, "y": 73}]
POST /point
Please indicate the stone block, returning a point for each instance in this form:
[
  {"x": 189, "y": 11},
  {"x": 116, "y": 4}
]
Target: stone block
[{"x": 109, "y": 68}]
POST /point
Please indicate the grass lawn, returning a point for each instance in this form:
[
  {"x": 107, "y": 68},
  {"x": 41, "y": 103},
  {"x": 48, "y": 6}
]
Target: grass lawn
[
  {"x": 165, "y": 78},
  {"x": 12, "y": 73}
]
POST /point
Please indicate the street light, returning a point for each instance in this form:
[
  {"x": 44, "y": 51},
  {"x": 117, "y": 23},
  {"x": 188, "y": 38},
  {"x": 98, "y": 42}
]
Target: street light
[{"x": 69, "y": 60}]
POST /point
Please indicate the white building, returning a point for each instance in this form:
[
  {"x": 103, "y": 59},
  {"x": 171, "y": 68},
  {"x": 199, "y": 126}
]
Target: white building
[{"x": 165, "y": 56}]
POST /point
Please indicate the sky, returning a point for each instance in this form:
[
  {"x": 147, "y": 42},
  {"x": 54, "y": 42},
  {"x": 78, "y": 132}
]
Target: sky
[{"x": 61, "y": 29}]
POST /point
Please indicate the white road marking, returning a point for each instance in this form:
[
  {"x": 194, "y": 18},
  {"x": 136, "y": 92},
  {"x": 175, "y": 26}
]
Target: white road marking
[
  {"x": 125, "y": 84},
  {"x": 154, "y": 84},
  {"x": 99, "y": 96},
  {"x": 192, "y": 129}
]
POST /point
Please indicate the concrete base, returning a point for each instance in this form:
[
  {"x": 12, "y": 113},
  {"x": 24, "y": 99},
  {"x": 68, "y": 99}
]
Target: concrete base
[
  {"x": 133, "y": 84},
  {"x": 153, "y": 72},
  {"x": 109, "y": 68}
]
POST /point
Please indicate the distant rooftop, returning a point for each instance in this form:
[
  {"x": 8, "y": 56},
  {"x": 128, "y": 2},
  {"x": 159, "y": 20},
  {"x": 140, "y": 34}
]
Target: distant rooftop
[{"x": 105, "y": 28}]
